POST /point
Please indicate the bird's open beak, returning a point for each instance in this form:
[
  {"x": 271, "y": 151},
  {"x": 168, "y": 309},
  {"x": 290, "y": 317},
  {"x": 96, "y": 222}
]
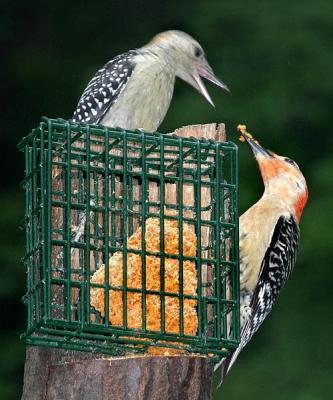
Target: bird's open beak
[
  {"x": 256, "y": 146},
  {"x": 205, "y": 71}
]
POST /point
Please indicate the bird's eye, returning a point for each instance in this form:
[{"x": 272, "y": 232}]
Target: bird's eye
[
  {"x": 292, "y": 162},
  {"x": 288, "y": 160},
  {"x": 198, "y": 52}
]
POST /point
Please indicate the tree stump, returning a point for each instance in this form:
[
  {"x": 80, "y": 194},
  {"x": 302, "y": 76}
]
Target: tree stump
[{"x": 54, "y": 374}]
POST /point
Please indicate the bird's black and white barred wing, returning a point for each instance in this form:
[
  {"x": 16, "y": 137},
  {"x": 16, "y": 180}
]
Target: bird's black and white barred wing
[
  {"x": 104, "y": 89},
  {"x": 276, "y": 267}
]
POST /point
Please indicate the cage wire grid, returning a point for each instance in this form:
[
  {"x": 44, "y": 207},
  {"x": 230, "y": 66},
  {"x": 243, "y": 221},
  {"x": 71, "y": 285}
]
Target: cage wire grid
[{"x": 88, "y": 190}]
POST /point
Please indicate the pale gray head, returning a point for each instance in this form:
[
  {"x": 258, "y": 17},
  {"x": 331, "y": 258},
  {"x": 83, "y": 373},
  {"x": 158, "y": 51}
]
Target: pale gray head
[{"x": 188, "y": 59}]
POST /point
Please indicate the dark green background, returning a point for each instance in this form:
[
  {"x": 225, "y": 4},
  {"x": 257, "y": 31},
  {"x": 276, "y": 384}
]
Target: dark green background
[{"x": 276, "y": 56}]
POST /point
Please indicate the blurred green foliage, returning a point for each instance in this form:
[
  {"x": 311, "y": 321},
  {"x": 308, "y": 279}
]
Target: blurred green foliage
[{"x": 276, "y": 56}]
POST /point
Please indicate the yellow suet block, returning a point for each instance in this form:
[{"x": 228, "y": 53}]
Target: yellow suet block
[{"x": 153, "y": 281}]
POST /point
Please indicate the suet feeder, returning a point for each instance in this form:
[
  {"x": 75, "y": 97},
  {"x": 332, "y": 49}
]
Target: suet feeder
[{"x": 131, "y": 241}]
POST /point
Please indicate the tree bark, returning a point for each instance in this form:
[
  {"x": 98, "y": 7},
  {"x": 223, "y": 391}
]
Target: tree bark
[{"x": 55, "y": 374}]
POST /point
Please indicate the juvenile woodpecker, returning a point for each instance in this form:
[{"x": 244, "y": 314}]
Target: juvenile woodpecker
[
  {"x": 268, "y": 240},
  {"x": 134, "y": 90}
]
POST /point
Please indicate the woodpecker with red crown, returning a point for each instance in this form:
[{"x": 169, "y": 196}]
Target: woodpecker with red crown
[{"x": 268, "y": 240}]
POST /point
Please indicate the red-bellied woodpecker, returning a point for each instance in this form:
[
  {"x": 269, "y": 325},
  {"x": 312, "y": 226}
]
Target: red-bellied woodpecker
[
  {"x": 134, "y": 90},
  {"x": 268, "y": 240}
]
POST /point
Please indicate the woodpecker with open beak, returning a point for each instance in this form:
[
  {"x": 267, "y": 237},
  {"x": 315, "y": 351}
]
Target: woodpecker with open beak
[{"x": 134, "y": 90}]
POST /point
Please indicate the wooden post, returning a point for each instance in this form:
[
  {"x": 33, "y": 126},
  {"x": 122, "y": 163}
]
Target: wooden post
[{"x": 54, "y": 374}]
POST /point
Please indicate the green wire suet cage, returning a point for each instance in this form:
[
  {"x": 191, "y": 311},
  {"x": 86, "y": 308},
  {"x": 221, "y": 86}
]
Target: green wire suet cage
[{"x": 89, "y": 190}]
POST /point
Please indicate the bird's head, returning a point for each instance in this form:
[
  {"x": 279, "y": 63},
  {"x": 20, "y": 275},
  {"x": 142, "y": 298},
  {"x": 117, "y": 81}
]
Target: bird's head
[
  {"x": 281, "y": 176},
  {"x": 188, "y": 58}
]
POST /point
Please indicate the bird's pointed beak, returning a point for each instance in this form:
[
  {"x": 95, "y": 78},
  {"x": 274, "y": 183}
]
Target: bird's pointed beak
[
  {"x": 256, "y": 146},
  {"x": 265, "y": 158},
  {"x": 205, "y": 71}
]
